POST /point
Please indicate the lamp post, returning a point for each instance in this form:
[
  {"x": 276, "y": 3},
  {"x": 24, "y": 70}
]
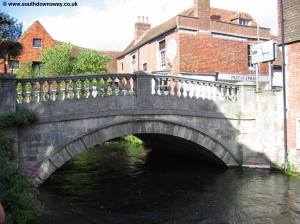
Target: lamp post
[
  {"x": 284, "y": 84},
  {"x": 4, "y": 23}
]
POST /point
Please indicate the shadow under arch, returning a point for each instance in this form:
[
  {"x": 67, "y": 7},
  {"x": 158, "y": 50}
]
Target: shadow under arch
[{"x": 69, "y": 150}]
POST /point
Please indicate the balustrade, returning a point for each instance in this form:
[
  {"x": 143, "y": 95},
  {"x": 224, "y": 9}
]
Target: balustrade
[
  {"x": 194, "y": 89},
  {"x": 51, "y": 89},
  {"x": 35, "y": 90}
]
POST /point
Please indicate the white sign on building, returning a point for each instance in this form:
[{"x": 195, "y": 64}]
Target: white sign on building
[{"x": 262, "y": 52}]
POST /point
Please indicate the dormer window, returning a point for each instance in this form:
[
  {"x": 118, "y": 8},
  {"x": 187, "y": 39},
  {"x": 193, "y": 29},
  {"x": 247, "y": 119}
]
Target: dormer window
[
  {"x": 244, "y": 22},
  {"x": 215, "y": 17},
  {"x": 37, "y": 43}
]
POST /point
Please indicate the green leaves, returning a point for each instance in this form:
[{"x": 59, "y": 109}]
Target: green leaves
[
  {"x": 57, "y": 60},
  {"x": 11, "y": 32},
  {"x": 90, "y": 62}
]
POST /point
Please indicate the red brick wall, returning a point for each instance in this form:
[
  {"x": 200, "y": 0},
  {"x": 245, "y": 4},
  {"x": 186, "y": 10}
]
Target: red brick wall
[
  {"x": 205, "y": 53},
  {"x": 148, "y": 54},
  {"x": 293, "y": 90},
  {"x": 36, "y": 30}
]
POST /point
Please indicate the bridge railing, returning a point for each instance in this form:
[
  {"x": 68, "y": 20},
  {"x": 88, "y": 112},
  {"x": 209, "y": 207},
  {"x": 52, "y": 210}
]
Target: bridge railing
[
  {"x": 166, "y": 85},
  {"x": 35, "y": 90},
  {"x": 59, "y": 88}
]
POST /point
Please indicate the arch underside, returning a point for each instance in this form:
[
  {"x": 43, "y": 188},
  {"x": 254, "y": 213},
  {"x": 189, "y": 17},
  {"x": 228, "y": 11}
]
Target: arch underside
[{"x": 71, "y": 149}]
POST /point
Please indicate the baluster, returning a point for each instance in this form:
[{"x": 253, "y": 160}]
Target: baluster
[
  {"x": 113, "y": 87},
  {"x": 121, "y": 86},
  {"x": 181, "y": 88},
  {"x": 214, "y": 92},
  {"x": 91, "y": 88},
  {"x": 74, "y": 90},
  {"x": 24, "y": 92},
  {"x": 105, "y": 87},
  {"x": 134, "y": 85},
  {"x": 194, "y": 86},
  {"x": 31, "y": 97},
  {"x": 98, "y": 88},
  {"x": 128, "y": 86},
  {"x": 18, "y": 93},
  {"x": 188, "y": 90},
  {"x": 198, "y": 90},
  {"x": 82, "y": 89},
  {"x": 58, "y": 90},
  {"x": 231, "y": 96},
  {"x": 163, "y": 87},
  {"x": 42, "y": 93},
  {"x": 67, "y": 90},
  {"x": 235, "y": 93},
  {"x": 53, "y": 91},
  {"x": 226, "y": 93},
  {"x": 156, "y": 86},
  {"x": 168, "y": 87},
  {"x": 175, "y": 89}
]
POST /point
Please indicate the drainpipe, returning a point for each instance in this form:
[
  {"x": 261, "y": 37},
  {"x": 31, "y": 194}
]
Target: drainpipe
[{"x": 284, "y": 87}]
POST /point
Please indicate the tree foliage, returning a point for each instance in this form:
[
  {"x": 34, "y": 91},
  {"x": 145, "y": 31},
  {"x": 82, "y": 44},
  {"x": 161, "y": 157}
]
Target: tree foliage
[
  {"x": 26, "y": 71},
  {"x": 10, "y": 49},
  {"x": 90, "y": 62},
  {"x": 57, "y": 60},
  {"x": 13, "y": 31}
]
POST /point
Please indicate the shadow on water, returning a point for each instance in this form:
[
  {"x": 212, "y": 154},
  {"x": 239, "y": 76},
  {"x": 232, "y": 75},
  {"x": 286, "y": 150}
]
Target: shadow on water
[{"x": 121, "y": 182}]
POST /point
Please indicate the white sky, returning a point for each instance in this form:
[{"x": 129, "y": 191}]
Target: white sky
[{"x": 112, "y": 27}]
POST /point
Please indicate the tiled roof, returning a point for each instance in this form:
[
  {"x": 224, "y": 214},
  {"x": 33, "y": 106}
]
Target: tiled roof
[
  {"x": 225, "y": 16},
  {"x": 291, "y": 9},
  {"x": 229, "y": 16}
]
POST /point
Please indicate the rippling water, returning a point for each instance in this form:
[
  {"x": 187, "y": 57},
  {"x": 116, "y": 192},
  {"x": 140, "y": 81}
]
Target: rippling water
[{"x": 112, "y": 184}]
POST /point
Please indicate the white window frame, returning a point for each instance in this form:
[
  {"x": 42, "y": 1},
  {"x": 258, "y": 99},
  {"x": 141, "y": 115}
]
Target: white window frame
[
  {"x": 133, "y": 65},
  {"x": 251, "y": 66},
  {"x": 297, "y": 133},
  {"x": 160, "y": 65},
  {"x": 244, "y": 22},
  {"x": 33, "y": 39}
]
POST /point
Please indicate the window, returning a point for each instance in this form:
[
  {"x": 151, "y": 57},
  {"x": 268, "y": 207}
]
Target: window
[
  {"x": 162, "y": 54},
  {"x": 122, "y": 67},
  {"x": 298, "y": 133},
  {"x": 37, "y": 43},
  {"x": 250, "y": 65},
  {"x": 14, "y": 65},
  {"x": 145, "y": 66},
  {"x": 244, "y": 22},
  {"x": 36, "y": 65},
  {"x": 133, "y": 63}
]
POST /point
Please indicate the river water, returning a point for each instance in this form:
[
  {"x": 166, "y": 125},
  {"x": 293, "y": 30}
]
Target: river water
[{"x": 115, "y": 184}]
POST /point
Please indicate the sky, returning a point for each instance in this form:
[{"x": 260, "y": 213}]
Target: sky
[{"x": 109, "y": 24}]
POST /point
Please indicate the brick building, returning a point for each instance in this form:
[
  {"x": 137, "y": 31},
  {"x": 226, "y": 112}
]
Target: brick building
[
  {"x": 291, "y": 16},
  {"x": 35, "y": 38},
  {"x": 198, "y": 42}
]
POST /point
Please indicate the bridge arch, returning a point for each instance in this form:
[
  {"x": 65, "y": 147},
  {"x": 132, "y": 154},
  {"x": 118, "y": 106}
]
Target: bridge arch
[{"x": 69, "y": 150}]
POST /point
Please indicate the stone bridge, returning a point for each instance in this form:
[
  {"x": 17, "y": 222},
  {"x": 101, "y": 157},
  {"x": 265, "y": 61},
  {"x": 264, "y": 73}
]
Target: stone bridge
[{"x": 225, "y": 123}]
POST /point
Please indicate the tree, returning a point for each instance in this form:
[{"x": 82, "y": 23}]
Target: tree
[
  {"x": 57, "y": 60},
  {"x": 11, "y": 32},
  {"x": 9, "y": 49},
  {"x": 26, "y": 71},
  {"x": 90, "y": 62}
]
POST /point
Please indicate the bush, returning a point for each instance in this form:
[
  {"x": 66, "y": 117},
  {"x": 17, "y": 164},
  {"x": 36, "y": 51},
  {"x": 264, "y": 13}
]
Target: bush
[
  {"x": 20, "y": 197},
  {"x": 22, "y": 117}
]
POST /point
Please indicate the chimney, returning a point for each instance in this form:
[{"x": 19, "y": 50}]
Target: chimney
[
  {"x": 141, "y": 27},
  {"x": 202, "y": 11}
]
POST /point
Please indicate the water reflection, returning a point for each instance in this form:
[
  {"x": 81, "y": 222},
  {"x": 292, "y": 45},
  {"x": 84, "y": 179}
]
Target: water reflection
[{"x": 113, "y": 184}]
